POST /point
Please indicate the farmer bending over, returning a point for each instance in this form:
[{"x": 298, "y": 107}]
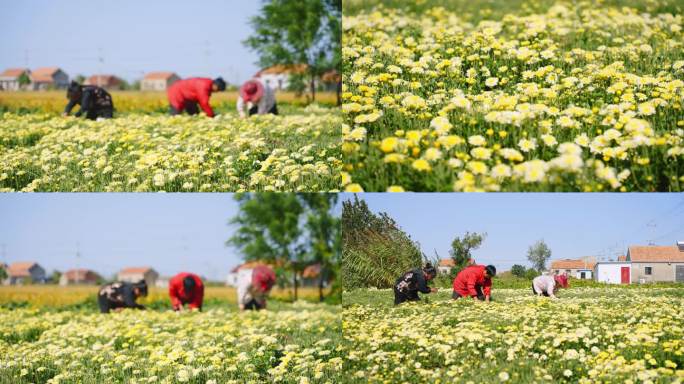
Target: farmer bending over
[
  {"x": 407, "y": 286},
  {"x": 186, "y": 288},
  {"x": 547, "y": 285},
  {"x": 474, "y": 281},
  {"x": 120, "y": 295},
  {"x": 253, "y": 288},
  {"x": 259, "y": 97},
  {"x": 95, "y": 102},
  {"x": 184, "y": 95}
]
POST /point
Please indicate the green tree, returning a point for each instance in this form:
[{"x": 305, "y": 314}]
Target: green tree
[
  {"x": 24, "y": 79},
  {"x": 269, "y": 230},
  {"x": 79, "y": 79},
  {"x": 323, "y": 237},
  {"x": 518, "y": 270},
  {"x": 531, "y": 273},
  {"x": 538, "y": 254},
  {"x": 461, "y": 249},
  {"x": 54, "y": 277},
  {"x": 3, "y": 274},
  {"x": 291, "y": 32},
  {"x": 375, "y": 251}
]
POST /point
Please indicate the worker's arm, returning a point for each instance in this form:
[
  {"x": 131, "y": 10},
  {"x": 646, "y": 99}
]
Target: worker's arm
[
  {"x": 241, "y": 106},
  {"x": 85, "y": 103},
  {"x": 196, "y": 302},
  {"x": 204, "y": 103},
  {"x": 69, "y": 107},
  {"x": 129, "y": 299},
  {"x": 422, "y": 284},
  {"x": 175, "y": 301}
]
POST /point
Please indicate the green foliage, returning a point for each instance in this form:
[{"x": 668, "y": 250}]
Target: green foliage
[
  {"x": 518, "y": 270},
  {"x": 375, "y": 251},
  {"x": 289, "y": 230},
  {"x": 461, "y": 250},
  {"x": 3, "y": 274},
  {"x": 293, "y": 32},
  {"x": 24, "y": 79},
  {"x": 538, "y": 254}
]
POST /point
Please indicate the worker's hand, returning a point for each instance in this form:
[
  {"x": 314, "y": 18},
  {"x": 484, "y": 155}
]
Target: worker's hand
[
  {"x": 242, "y": 307},
  {"x": 64, "y": 114},
  {"x": 433, "y": 290},
  {"x": 487, "y": 299}
]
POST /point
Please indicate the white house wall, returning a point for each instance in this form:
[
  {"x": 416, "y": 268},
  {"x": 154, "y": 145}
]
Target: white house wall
[{"x": 610, "y": 273}]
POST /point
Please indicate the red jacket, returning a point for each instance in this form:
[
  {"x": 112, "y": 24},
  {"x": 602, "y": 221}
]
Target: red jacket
[
  {"x": 194, "y": 90},
  {"x": 468, "y": 278},
  {"x": 178, "y": 295}
]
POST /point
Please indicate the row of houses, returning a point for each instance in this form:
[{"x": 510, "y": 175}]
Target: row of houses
[
  {"x": 277, "y": 77},
  {"x": 641, "y": 264},
  {"x": 20, "y": 273}
]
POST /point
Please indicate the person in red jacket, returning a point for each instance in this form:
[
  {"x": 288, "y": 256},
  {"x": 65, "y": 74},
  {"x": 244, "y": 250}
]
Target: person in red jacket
[
  {"x": 474, "y": 281},
  {"x": 186, "y": 288},
  {"x": 184, "y": 95}
]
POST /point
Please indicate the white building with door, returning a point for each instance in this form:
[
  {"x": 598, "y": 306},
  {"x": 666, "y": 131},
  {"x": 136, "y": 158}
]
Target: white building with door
[{"x": 614, "y": 272}]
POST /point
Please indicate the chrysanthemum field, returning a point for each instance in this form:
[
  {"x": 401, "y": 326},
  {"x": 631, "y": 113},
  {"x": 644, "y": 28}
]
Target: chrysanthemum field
[
  {"x": 589, "y": 335},
  {"x": 521, "y": 95},
  {"x": 298, "y": 151},
  {"x": 295, "y": 343}
]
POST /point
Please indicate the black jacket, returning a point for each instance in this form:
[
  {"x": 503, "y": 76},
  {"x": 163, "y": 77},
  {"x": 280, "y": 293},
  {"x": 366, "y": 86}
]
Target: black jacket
[
  {"x": 92, "y": 98},
  {"x": 411, "y": 281}
]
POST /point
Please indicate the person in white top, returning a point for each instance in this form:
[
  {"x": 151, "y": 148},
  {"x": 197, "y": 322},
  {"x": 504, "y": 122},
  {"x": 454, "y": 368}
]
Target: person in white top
[
  {"x": 258, "y": 97},
  {"x": 253, "y": 287},
  {"x": 547, "y": 285}
]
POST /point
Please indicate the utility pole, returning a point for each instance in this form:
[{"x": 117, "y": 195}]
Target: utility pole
[
  {"x": 652, "y": 225},
  {"x": 100, "y": 59},
  {"x": 78, "y": 259}
]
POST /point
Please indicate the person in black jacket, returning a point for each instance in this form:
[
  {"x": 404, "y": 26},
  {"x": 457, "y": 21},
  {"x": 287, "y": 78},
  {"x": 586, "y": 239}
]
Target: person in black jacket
[
  {"x": 95, "y": 102},
  {"x": 410, "y": 283},
  {"x": 119, "y": 295}
]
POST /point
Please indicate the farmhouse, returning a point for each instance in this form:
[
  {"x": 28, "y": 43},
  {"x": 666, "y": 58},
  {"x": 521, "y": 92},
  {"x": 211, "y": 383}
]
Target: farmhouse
[
  {"x": 25, "y": 273},
  {"x": 582, "y": 268},
  {"x": 158, "y": 81},
  {"x": 240, "y": 271},
  {"x": 645, "y": 264},
  {"x": 10, "y": 78},
  {"x": 104, "y": 81},
  {"x": 444, "y": 266},
  {"x": 278, "y": 76},
  {"x": 79, "y": 276},
  {"x": 48, "y": 77},
  {"x": 135, "y": 274}
]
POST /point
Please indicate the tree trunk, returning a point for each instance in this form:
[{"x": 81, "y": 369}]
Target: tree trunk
[
  {"x": 320, "y": 288},
  {"x": 295, "y": 284},
  {"x": 339, "y": 93},
  {"x": 313, "y": 86}
]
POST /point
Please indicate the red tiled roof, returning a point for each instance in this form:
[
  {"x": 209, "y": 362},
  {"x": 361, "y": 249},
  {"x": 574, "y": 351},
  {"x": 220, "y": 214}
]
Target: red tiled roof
[
  {"x": 20, "y": 269},
  {"x": 81, "y": 274},
  {"x": 14, "y": 72},
  {"x": 311, "y": 271},
  {"x": 572, "y": 264},
  {"x": 159, "y": 75},
  {"x": 134, "y": 270},
  {"x": 447, "y": 263},
  {"x": 278, "y": 69},
  {"x": 105, "y": 80},
  {"x": 331, "y": 76},
  {"x": 44, "y": 75},
  {"x": 655, "y": 253}
]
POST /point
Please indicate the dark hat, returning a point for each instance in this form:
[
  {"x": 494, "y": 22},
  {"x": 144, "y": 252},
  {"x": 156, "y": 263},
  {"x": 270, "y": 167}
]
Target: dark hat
[
  {"x": 188, "y": 284},
  {"x": 142, "y": 286},
  {"x": 220, "y": 84},
  {"x": 429, "y": 269},
  {"x": 491, "y": 270}
]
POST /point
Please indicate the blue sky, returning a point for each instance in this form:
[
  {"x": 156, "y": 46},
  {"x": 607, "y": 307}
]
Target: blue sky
[
  {"x": 202, "y": 38},
  {"x": 573, "y": 225},
  {"x": 171, "y": 232}
]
